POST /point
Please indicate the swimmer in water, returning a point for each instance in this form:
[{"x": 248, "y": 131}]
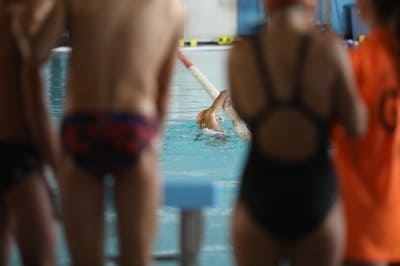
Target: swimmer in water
[{"x": 209, "y": 119}]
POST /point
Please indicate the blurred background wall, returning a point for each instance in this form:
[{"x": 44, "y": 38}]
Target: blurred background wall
[{"x": 209, "y": 19}]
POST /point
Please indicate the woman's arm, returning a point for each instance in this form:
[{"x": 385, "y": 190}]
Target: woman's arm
[{"x": 350, "y": 110}]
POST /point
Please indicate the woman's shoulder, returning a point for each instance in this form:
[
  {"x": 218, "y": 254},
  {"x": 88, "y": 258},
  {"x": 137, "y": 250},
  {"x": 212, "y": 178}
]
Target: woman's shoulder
[
  {"x": 327, "y": 40},
  {"x": 240, "y": 52}
]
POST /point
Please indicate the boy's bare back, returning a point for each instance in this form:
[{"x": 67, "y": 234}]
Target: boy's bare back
[{"x": 121, "y": 53}]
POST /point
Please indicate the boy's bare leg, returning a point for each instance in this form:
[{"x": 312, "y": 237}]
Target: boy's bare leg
[
  {"x": 82, "y": 211},
  {"x": 5, "y": 233},
  {"x": 137, "y": 198},
  {"x": 34, "y": 224},
  {"x": 355, "y": 263}
]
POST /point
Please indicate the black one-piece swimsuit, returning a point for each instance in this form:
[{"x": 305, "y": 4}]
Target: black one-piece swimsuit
[{"x": 288, "y": 199}]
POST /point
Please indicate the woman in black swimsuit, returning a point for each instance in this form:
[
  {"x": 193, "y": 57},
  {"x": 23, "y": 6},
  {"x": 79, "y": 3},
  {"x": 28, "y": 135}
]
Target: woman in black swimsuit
[{"x": 290, "y": 84}]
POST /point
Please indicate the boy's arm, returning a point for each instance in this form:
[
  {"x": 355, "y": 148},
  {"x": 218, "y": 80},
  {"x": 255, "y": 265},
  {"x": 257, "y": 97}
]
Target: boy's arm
[
  {"x": 38, "y": 115},
  {"x": 166, "y": 70},
  {"x": 350, "y": 109},
  {"x": 37, "y": 25},
  {"x": 47, "y": 36},
  {"x": 164, "y": 83},
  {"x": 40, "y": 44}
]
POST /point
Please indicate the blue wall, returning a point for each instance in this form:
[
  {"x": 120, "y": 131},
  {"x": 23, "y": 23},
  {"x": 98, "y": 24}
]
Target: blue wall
[
  {"x": 250, "y": 11},
  {"x": 340, "y": 19}
]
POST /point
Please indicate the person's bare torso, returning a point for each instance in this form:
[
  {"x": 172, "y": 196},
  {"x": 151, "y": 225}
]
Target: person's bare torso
[
  {"x": 13, "y": 123},
  {"x": 118, "y": 48},
  {"x": 287, "y": 132}
]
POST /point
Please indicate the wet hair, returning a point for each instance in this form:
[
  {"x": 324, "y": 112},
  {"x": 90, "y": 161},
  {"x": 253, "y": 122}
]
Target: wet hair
[{"x": 388, "y": 10}]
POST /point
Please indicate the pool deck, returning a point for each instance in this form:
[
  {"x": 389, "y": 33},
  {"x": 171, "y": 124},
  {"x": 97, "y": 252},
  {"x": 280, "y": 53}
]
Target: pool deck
[{"x": 66, "y": 49}]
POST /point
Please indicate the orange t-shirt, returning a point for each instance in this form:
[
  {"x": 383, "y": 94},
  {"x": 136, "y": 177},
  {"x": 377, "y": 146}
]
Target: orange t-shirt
[{"x": 366, "y": 166}]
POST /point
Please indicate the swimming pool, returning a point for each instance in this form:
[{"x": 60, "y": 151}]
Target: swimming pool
[
  {"x": 187, "y": 153},
  {"x": 200, "y": 155}
]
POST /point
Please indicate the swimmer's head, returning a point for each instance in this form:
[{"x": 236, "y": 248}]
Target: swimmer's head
[{"x": 271, "y": 4}]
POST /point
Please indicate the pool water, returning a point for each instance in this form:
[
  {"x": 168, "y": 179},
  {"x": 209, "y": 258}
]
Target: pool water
[
  {"x": 187, "y": 153},
  {"x": 194, "y": 154}
]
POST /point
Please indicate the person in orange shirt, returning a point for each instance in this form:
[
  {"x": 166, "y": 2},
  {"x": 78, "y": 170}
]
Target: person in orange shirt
[{"x": 369, "y": 185}]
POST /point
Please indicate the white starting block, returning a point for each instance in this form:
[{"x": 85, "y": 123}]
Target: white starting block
[
  {"x": 190, "y": 195},
  {"x": 191, "y": 198}
]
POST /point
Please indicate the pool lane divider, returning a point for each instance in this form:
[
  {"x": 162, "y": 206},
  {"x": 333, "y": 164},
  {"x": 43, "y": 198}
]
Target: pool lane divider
[{"x": 238, "y": 126}]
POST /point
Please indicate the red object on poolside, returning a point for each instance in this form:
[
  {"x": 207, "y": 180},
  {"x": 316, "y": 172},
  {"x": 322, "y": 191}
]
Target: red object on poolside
[{"x": 186, "y": 61}]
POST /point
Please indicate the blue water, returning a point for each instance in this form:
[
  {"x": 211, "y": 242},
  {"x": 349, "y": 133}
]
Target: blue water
[{"x": 187, "y": 153}]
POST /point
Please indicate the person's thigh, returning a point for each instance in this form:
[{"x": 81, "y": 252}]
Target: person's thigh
[
  {"x": 5, "y": 233},
  {"x": 33, "y": 220},
  {"x": 137, "y": 199},
  {"x": 324, "y": 247},
  {"x": 252, "y": 245},
  {"x": 359, "y": 263},
  {"x": 82, "y": 213}
]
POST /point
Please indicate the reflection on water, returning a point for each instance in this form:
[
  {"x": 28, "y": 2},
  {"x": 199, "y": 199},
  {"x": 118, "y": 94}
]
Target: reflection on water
[{"x": 213, "y": 138}]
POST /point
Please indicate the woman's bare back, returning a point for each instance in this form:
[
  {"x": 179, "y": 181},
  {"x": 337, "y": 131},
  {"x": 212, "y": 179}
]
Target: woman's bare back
[{"x": 324, "y": 90}]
